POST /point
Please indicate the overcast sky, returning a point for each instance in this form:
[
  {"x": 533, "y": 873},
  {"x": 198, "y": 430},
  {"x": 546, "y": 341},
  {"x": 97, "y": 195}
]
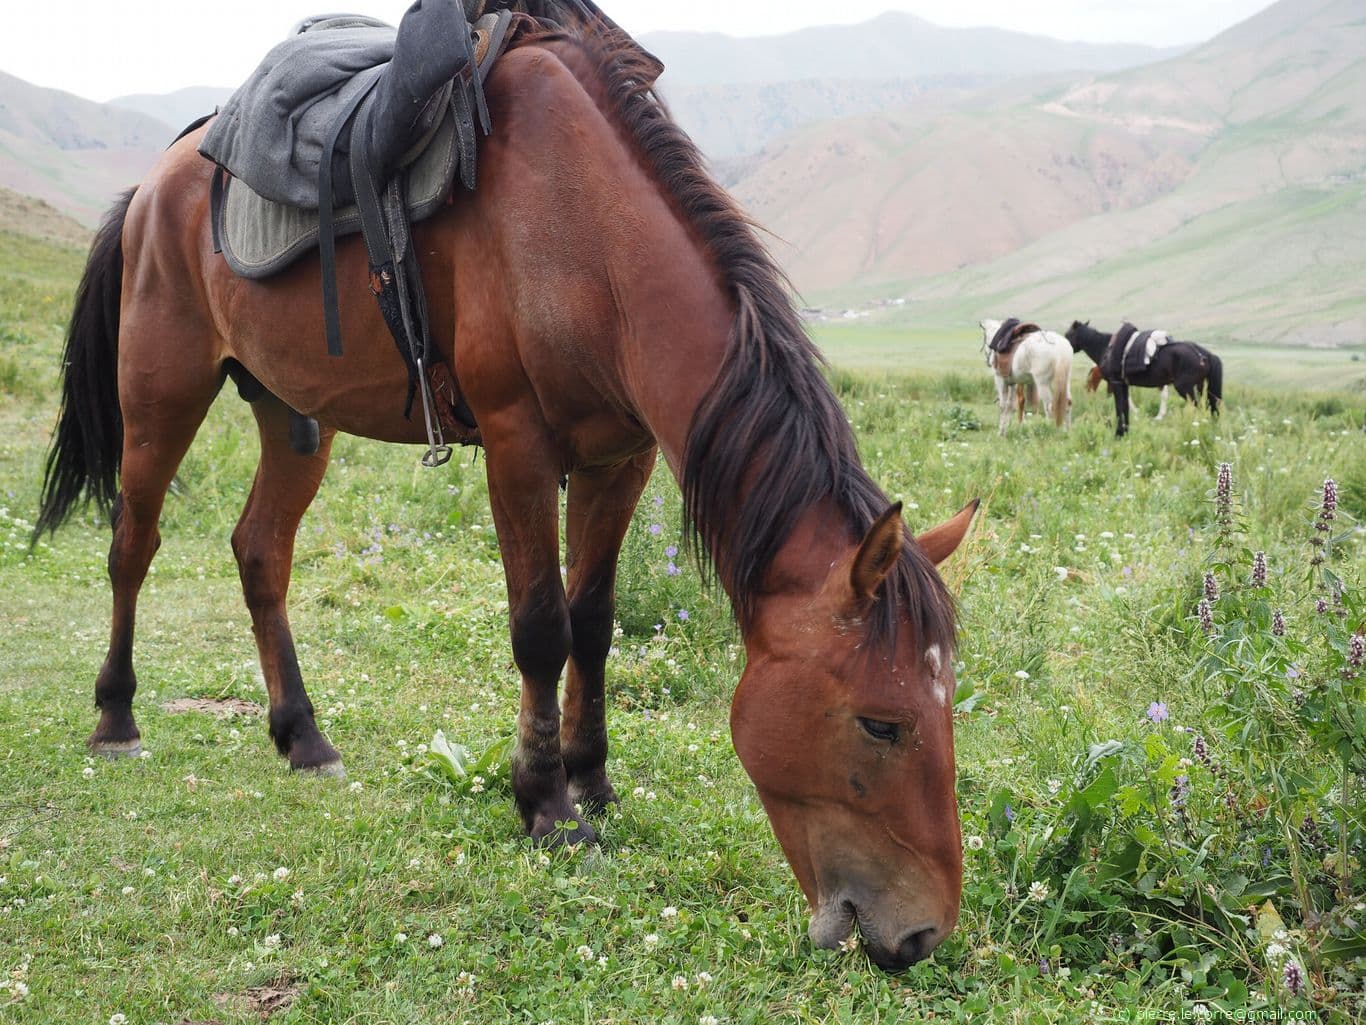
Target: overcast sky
[{"x": 106, "y": 48}]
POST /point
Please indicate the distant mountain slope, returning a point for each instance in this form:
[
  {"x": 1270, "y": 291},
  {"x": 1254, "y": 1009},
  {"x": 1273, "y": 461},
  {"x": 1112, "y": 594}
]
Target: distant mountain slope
[
  {"x": 67, "y": 122},
  {"x": 71, "y": 152},
  {"x": 176, "y": 109},
  {"x": 24, "y": 215},
  {"x": 893, "y": 45},
  {"x": 1224, "y": 185},
  {"x": 729, "y": 121}
]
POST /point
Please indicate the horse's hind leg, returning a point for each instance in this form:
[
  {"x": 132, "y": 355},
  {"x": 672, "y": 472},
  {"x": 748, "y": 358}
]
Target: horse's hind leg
[
  {"x": 263, "y": 542},
  {"x": 1162, "y": 409},
  {"x": 600, "y": 506},
  {"x": 161, "y": 413}
]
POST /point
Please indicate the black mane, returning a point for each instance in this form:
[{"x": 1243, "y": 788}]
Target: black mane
[{"x": 771, "y": 430}]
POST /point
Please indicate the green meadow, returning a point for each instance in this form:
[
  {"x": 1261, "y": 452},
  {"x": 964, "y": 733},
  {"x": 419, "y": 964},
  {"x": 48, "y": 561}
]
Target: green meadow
[{"x": 1116, "y": 869}]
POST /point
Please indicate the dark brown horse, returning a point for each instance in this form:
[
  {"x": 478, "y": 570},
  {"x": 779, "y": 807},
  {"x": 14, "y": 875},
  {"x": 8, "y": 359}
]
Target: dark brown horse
[
  {"x": 609, "y": 301},
  {"x": 1190, "y": 368}
]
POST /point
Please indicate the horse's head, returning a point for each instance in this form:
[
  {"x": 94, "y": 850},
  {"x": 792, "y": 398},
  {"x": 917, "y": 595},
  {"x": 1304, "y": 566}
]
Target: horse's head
[
  {"x": 849, "y": 740},
  {"x": 1076, "y": 333}
]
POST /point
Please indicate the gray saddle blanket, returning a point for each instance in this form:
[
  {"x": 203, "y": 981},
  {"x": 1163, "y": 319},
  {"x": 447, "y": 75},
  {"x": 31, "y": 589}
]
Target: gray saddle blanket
[{"x": 261, "y": 237}]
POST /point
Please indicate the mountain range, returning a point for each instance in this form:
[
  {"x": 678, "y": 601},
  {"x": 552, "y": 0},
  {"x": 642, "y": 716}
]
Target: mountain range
[{"x": 966, "y": 172}]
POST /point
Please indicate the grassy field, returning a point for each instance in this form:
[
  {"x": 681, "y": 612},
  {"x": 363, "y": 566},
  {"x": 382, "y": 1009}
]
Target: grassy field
[{"x": 206, "y": 883}]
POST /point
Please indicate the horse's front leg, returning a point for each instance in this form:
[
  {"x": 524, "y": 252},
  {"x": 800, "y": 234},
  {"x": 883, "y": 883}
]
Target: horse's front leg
[
  {"x": 600, "y": 506},
  {"x": 1004, "y": 398},
  {"x": 523, "y": 477},
  {"x": 1162, "y": 408}
]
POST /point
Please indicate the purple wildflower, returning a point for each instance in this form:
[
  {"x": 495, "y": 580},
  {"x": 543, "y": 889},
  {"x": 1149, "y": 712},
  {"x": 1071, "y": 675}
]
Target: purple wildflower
[
  {"x": 1181, "y": 788},
  {"x": 1044, "y": 967},
  {"x": 1356, "y": 651},
  {"x": 1266, "y": 856},
  {"x": 1293, "y": 976},
  {"x": 1211, "y": 588},
  {"x": 659, "y": 502},
  {"x": 1009, "y": 813},
  {"x": 673, "y": 570},
  {"x": 1206, "y": 614},
  {"x": 1321, "y": 607},
  {"x": 656, "y": 529},
  {"x": 1127, "y": 571},
  {"x": 671, "y": 552},
  {"x": 1223, "y": 496},
  {"x": 1329, "y": 511},
  {"x": 683, "y": 615},
  {"x": 1278, "y": 623},
  {"x": 1157, "y": 711},
  {"x": 1292, "y": 671},
  {"x": 1259, "y": 570},
  {"x": 1201, "y": 751}
]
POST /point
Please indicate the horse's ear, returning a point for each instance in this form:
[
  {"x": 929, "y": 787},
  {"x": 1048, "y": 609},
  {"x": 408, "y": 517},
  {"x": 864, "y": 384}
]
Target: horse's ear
[
  {"x": 877, "y": 554},
  {"x": 942, "y": 541}
]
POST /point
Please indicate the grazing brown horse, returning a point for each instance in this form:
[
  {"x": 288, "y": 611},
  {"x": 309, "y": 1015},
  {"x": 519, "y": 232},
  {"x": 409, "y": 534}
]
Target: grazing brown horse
[{"x": 600, "y": 299}]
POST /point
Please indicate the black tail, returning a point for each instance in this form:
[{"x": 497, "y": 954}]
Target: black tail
[
  {"x": 87, "y": 445},
  {"x": 1216, "y": 383}
]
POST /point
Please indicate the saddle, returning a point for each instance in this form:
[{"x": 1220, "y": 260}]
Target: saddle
[
  {"x": 1131, "y": 350},
  {"x": 351, "y": 125},
  {"x": 1008, "y": 336}
]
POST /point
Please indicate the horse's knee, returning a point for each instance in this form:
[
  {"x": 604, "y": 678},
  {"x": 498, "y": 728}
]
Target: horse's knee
[
  {"x": 541, "y": 634},
  {"x": 590, "y": 621}
]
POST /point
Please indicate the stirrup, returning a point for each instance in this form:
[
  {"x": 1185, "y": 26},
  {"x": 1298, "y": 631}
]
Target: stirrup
[{"x": 438, "y": 452}]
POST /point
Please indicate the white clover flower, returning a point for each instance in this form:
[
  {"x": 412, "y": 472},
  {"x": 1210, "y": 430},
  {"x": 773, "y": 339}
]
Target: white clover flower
[
  {"x": 128, "y": 891},
  {"x": 281, "y": 873},
  {"x": 355, "y": 786},
  {"x": 233, "y": 930},
  {"x": 400, "y": 938},
  {"x": 1038, "y": 891},
  {"x": 669, "y": 912},
  {"x": 638, "y": 792},
  {"x": 149, "y": 872},
  {"x": 703, "y": 978},
  {"x": 18, "y": 989},
  {"x": 88, "y": 771},
  {"x": 118, "y": 1019},
  {"x": 234, "y": 880},
  {"x": 585, "y": 953},
  {"x": 850, "y": 943},
  {"x": 652, "y": 939},
  {"x": 1021, "y": 674},
  {"x": 975, "y": 843},
  {"x": 1054, "y": 785},
  {"x": 680, "y": 982},
  {"x": 435, "y": 940},
  {"x": 707, "y": 1019}
]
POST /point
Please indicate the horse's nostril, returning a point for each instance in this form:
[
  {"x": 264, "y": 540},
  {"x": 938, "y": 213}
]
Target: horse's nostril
[{"x": 916, "y": 946}]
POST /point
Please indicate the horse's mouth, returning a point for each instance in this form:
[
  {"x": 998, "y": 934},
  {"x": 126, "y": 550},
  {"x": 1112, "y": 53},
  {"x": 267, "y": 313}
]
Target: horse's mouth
[{"x": 833, "y": 923}]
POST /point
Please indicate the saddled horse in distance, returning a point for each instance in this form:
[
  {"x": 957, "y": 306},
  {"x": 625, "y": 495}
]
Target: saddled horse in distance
[
  {"x": 1191, "y": 369},
  {"x": 610, "y": 302},
  {"x": 1041, "y": 362}
]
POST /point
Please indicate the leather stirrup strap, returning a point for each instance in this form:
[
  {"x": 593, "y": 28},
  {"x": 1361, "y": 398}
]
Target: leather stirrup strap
[{"x": 327, "y": 232}]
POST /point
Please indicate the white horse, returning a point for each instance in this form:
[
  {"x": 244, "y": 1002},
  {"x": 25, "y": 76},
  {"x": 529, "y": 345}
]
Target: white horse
[{"x": 1042, "y": 360}]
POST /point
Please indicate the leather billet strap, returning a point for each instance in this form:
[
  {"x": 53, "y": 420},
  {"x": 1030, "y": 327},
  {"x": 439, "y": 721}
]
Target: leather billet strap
[{"x": 327, "y": 234}]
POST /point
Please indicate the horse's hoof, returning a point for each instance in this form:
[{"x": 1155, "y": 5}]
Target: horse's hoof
[
  {"x": 328, "y": 770},
  {"x": 594, "y": 797},
  {"x": 569, "y": 833},
  {"x": 116, "y": 749}
]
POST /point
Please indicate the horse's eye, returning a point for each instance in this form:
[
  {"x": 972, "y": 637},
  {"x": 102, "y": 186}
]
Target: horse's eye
[{"x": 887, "y": 731}]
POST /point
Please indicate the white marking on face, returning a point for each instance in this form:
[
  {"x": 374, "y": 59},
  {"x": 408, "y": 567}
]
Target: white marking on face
[{"x": 934, "y": 660}]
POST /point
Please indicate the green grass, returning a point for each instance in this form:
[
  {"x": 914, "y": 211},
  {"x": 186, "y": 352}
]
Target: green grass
[{"x": 118, "y": 893}]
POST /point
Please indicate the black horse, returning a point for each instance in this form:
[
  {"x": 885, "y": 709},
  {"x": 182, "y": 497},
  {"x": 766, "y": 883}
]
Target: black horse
[{"x": 1190, "y": 368}]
